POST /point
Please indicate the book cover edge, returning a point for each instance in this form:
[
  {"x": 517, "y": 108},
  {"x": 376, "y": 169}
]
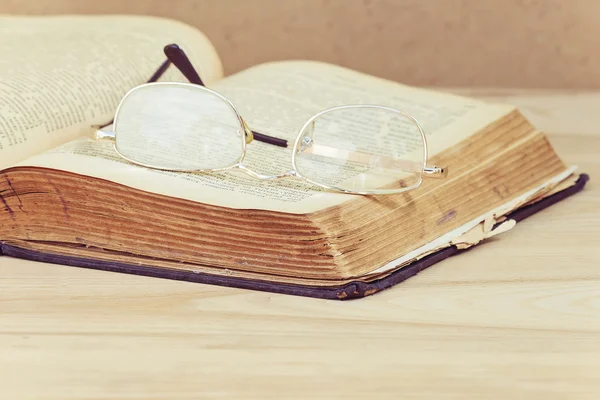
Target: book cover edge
[{"x": 352, "y": 290}]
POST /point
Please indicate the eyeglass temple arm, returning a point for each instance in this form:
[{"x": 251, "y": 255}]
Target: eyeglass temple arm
[
  {"x": 179, "y": 59},
  {"x": 381, "y": 161},
  {"x": 160, "y": 71}
]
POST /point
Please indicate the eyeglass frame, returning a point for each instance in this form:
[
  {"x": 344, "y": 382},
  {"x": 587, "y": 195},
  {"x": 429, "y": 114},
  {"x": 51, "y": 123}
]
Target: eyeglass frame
[{"x": 176, "y": 56}]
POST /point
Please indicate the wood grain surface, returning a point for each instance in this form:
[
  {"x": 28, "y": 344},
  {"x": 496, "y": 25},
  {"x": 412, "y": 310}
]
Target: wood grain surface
[{"x": 515, "y": 317}]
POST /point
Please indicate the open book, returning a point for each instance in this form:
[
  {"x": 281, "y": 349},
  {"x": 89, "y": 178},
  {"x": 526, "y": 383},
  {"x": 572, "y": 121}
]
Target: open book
[{"x": 68, "y": 199}]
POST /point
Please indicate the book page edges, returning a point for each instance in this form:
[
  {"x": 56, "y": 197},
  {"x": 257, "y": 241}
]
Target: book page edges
[
  {"x": 472, "y": 233},
  {"x": 484, "y": 226}
]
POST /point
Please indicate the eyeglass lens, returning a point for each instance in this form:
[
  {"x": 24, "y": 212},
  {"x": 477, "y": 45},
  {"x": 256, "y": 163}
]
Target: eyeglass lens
[
  {"x": 361, "y": 149},
  {"x": 178, "y": 127}
]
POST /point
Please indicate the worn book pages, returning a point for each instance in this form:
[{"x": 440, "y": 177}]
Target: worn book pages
[
  {"x": 276, "y": 99},
  {"x": 483, "y": 226},
  {"x": 61, "y": 75}
]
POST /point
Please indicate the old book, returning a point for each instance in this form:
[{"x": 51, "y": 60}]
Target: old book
[{"x": 70, "y": 200}]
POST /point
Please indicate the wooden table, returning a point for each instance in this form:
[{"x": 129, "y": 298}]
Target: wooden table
[{"x": 516, "y": 317}]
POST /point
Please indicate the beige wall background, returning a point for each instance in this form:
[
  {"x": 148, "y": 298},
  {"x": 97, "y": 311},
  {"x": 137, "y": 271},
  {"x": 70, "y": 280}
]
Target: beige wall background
[{"x": 500, "y": 43}]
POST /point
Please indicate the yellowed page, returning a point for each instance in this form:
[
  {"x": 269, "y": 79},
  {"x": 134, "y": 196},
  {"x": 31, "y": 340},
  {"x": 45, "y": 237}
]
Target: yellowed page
[
  {"x": 60, "y": 75},
  {"x": 277, "y": 99},
  {"x": 480, "y": 228}
]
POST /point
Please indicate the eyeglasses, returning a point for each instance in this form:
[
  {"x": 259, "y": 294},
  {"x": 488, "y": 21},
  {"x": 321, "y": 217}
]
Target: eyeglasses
[{"x": 186, "y": 127}]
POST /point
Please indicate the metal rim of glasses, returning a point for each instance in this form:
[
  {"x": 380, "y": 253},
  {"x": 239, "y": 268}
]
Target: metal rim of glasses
[
  {"x": 192, "y": 87},
  {"x": 307, "y": 124},
  {"x": 244, "y": 131}
]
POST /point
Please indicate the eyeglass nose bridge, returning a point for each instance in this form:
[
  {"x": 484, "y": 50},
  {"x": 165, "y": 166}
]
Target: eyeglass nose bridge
[{"x": 240, "y": 166}]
